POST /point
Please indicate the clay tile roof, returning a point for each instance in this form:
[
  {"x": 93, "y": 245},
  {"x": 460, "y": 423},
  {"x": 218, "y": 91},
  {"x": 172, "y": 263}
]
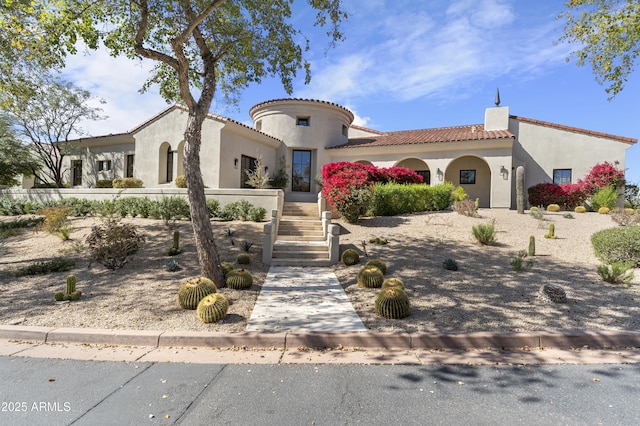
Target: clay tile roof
[
  {"x": 366, "y": 129},
  {"x": 424, "y": 136},
  {"x": 575, "y": 129}
]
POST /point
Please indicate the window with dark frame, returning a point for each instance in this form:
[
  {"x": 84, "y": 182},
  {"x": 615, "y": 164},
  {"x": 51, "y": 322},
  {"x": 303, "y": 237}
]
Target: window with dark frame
[
  {"x": 426, "y": 176},
  {"x": 104, "y": 165},
  {"x": 76, "y": 172},
  {"x": 302, "y": 121},
  {"x": 129, "y": 171},
  {"x": 301, "y": 171},
  {"x": 247, "y": 164},
  {"x": 561, "y": 176},
  {"x": 467, "y": 177}
]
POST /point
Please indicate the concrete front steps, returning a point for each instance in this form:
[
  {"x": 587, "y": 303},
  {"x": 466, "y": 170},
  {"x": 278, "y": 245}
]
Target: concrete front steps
[{"x": 300, "y": 240}]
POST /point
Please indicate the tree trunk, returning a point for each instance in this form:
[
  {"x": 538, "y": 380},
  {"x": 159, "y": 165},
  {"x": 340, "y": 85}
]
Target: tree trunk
[{"x": 203, "y": 235}]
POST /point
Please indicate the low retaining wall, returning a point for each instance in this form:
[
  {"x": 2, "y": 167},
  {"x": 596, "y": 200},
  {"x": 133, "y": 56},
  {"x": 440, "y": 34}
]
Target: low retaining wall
[{"x": 270, "y": 199}]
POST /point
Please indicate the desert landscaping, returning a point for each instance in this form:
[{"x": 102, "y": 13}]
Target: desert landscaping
[{"x": 484, "y": 294}]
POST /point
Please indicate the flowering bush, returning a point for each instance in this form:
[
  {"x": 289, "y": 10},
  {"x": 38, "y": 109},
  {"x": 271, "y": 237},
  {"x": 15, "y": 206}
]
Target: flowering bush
[
  {"x": 571, "y": 195},
  {"x": 349, "y": 186},
  {"x": 568, "y": 195},
  {"x": 602, "y": 175}
]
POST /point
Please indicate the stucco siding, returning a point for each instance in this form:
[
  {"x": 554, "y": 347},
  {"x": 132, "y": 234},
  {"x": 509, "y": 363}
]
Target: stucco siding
[{"x": 544, "y": 149}]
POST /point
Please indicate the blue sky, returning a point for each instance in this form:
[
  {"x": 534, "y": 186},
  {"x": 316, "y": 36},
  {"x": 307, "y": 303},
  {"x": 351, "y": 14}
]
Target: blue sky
[{"x": 412, "y": 65}]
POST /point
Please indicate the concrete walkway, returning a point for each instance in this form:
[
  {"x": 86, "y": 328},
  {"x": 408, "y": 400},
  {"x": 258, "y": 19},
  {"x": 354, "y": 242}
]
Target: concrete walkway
[{"x": 303, "y": 299}]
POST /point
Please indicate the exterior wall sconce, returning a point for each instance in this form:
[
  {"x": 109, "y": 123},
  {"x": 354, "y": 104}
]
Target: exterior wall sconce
[
  {"x": 266, "y": 169},
  {"x": 504, "y": 172},
  {"x": 440, "y": 174},
  {"x": 235, "y": 163}
]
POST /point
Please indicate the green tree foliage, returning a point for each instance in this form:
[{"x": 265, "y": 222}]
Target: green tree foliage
[
  {"x": 47, "y": 118},
  {"x": 607, "y": 36},
  {"x": 200, "y": 47},
  {"x": 15, "y": 158}
]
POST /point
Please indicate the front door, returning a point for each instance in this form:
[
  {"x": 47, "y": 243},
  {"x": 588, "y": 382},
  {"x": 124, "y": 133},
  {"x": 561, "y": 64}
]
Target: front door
[
  {"x": 76, "y": 172},
  {"x": 301, "y": 173}
]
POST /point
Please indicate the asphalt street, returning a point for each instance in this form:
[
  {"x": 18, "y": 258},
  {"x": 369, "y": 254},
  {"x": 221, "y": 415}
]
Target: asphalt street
[{"x": 37, "y": 391}]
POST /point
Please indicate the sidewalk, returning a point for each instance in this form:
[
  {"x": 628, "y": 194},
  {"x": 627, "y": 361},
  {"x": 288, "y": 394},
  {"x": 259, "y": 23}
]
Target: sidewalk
[{"x": 303, "y": 299}]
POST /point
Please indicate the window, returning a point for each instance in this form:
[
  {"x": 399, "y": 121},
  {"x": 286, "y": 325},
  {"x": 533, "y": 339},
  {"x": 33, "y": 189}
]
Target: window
[
  {"x": 76, "y": 172},
  {"x": 301, "y": 173},
  {"x": 426, "y": 176},
  {"x": 104, "y": 165},
  {"x": 345, "y": 130},
  {"x": 467, "y": 177},
  {"x": 169, "y": 165},
  {"x": 561, "y": 176},
  {"x": 246, "y": 164},
  {"x": 259, "y": 125},
  {"x": 129, "y": 170},
  {"x": 302, "y": 121}
]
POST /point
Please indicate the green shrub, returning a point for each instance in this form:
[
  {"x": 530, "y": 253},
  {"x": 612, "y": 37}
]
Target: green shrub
[
  {"x": 180, "y": 181},
  {"x": 170, "y": 209},
  {"x": 257, "y": 214},
  {"x": 458, "y": 194},
  {"x": 616, "y": 273},
  {"x": 127, "y": 183},
  {"x": 390, "y": 199},
  {"x": 621, "y": 244},
  {"x": 104, "y": 183},
  {"x": 237, "y": 210},
  {"x": 59, "y": 264},
  {"x": 214, "y": 207},
  {"x": 519, "y": 263},
  {"x": 485, "y": 234},
  {"x": 604, "y": 197}
]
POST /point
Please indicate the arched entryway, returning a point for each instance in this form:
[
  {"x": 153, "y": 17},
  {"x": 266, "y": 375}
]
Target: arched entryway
[
  {"x": 418, "y": 166},
  {"x": 166, "y": 172},
  {"x": 474, "y": 175}
]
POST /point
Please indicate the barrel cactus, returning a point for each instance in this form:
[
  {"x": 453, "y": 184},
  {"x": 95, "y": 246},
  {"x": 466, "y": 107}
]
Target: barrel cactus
[
  {"x": 350, "y": 257},
  {"x": 580, "y": 209},
  {"x": 392, "y": 303},
  {"x": 393, "y": 283},
  {"x": 212, "y": 308},
  {"x": 59, "y": 296},
  {"x": 239, "y": 279},
  {"x": 226, "y": 267},
  {"x": 553, "y": 208},
  {"x": 244, "y": 259},
  {"x": 370, "y": 277},
  {"x": 604, "y": 210},
  {"x": 193, "y": 290},
  {"x": 378, "y": 264}
]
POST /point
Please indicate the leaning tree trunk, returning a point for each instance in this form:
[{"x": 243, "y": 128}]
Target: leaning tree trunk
[{"x": 203, "y": 235}]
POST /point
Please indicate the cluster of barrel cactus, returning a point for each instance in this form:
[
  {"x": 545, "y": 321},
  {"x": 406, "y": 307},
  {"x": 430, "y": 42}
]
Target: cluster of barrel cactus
[
  {"x": 71, "y": 293},
  {"x": 392, "y": 301}
]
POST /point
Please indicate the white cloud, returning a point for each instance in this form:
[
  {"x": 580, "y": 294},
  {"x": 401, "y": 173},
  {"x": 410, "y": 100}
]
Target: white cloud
[
  {"x": 412, "y": 51},
  {"x": 117, "y": 81}
]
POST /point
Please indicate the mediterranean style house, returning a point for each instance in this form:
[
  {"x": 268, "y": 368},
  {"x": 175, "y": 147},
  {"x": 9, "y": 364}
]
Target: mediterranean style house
[{"x": 301, "y": 135}]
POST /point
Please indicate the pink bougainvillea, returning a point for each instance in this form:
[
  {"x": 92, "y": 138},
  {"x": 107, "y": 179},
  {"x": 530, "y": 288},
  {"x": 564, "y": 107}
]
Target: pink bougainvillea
[
  {"x": 348, "y": 186},
  {"x": 571, "y": 195}
]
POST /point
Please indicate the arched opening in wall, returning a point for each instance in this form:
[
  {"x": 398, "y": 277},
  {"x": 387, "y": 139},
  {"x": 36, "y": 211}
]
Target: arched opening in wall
[
  {"x": 180, "y": 162},
  {"x": 165, "y": 163},
  {"x": 364, "y": 162},
  {"x": 418, "y": 166},
  {"x": 473, "y": 175}
]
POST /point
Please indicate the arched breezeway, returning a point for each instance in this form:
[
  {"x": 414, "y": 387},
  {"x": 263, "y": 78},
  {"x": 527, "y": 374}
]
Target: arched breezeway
[
  {"x": 418, "y": 166},
  {"x": 474, "y": 175}
]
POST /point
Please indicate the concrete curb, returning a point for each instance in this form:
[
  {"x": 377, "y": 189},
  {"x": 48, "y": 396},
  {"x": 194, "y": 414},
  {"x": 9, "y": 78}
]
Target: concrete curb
[{"x": 367, "y": 340}]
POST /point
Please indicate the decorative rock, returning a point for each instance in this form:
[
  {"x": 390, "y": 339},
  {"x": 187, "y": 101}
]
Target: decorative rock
[{"x": 553, "y": 293}]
